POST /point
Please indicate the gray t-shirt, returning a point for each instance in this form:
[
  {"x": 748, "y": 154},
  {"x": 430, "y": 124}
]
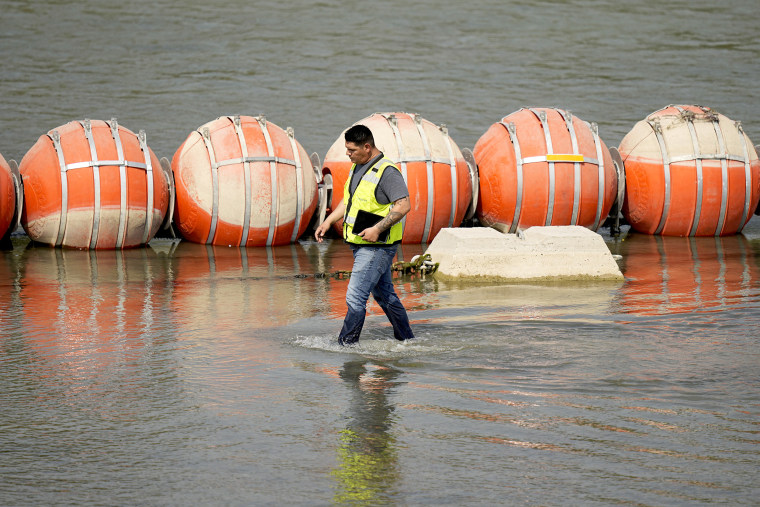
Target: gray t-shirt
[{"x": 391, "y": 188}]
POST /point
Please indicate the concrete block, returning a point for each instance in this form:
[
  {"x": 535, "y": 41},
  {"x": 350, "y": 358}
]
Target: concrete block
[{"x": 537, "y": 253}]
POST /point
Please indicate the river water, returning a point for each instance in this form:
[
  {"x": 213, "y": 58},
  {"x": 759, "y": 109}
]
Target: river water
[{"x": 183, "y": 374}]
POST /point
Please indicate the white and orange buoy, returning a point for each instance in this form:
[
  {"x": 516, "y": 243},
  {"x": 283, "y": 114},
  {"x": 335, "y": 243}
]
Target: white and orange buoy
[
  {"x": 544, "y": 166},
  {"x": 243, "y": 181},
  {"x": 10, "y": 197},
  {"x": 93, "y": 184},
  {"x": 690, "y": 171},
  {"x": 439, "y": 178}
]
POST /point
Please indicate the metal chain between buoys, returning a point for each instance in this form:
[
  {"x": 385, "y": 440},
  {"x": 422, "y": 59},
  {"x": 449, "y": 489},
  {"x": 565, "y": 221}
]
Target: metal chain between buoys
[{"x": 420, "y": 264}]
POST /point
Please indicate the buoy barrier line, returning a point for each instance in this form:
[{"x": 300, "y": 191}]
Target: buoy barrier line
[
  {"x": 430, "y": 183},
  {"x": 246, "y": 177},
  {"x": 299, "y": 183},
  {"x": 512, "y": 131},
  {"x": 393, "y": 123},
  {"x": 273, "y": 212},
  {"x": 453, "y": 165},
  {"x": 600, "y": 179},
  {"x": 549, "y": 150}
]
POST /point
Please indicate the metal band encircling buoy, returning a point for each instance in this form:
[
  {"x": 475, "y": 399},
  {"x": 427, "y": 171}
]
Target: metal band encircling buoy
[
  {"x": 63, "y": 217},
  {"x": 149, "y": 180},
  {"x": 655, "y": 124},
  {"x": 430, "y": 183},
  {"x": 512, "y": 131},
  {"x": 87, "y": 126},
  {"x": 273, "y": 178},
  {"x": 723, "y": 176},
  {"x": 299, "y": 183},
  {"x": 699, "y": 176},
  {"x": 747, "y": 177},
  {"x": 601, "y": 180},
  {"x": 568, "y": 117},
  {"x": 453, "y": 164},
  {"x": 246, "y": 177},
  {"x": 549, "y": 151},
  {"x": 122, "y": 180},
  {"x": 206, "y": 136}
]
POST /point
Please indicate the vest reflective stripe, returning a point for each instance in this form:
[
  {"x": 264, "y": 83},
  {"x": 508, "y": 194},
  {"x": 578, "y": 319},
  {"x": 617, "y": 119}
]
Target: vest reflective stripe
[{"x": 363, "y": 198}]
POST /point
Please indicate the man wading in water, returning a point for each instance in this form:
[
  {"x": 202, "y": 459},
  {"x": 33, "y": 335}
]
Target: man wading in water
[{"x": 375, "y": 199}]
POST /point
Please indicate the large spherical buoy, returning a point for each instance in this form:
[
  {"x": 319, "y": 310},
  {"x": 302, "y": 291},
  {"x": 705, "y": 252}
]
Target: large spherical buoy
[
  {"x": 9, "y": 193},
  {"x": 543, "y": 166},
  {"x": 439, "y": 179},
  {"x": 243, "y": 181},
  {"x": 93, "y": 184},
  {"x": 689, "y": 172}
]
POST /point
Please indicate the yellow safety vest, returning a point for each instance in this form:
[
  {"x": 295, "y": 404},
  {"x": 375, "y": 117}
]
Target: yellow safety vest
[{"x": 364, "y": 199}]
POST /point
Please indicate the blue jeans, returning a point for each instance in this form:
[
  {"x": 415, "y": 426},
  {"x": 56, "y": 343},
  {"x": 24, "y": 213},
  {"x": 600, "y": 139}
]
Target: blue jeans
[{"x": 372, "y": 274}]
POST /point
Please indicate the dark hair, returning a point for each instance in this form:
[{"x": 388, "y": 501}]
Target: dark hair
[{"x": 359, "y": 134}]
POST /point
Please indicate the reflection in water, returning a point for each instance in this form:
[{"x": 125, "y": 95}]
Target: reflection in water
[
  {"x": 367, "y": 460},
  {"x": 670, "y": 275}
]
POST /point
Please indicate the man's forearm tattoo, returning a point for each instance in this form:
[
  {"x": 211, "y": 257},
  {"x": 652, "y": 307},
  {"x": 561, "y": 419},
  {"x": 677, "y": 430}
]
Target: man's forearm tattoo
[{"x": 392, "y": 217}]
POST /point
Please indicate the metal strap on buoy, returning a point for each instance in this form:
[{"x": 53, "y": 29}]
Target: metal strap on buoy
[
  {"x": 747, "y": 178},
  {"x": 453, "y": 164},
  {"x": 149, "y": 180},
  {"x": 601, "y": 178},
  {"x": 87, "y": 126},
  {"x": 430, "y": 182},
  {"x": 206, "y": 136},
  {"x": 549, "y": 151},
  {"x": 122, "y": 179},
  {"x": 63, "y": 217},
  {"x": 299, "y": 183},
  {"x": 246, "y": 177},
  {"x": 568, "y": 117},
  {"x": 695, "y": 146},
  {"x": 723, "y": 177},
  {"x": 512, "y": 131},
  {"x": 273, "y": 178},
  {"x": 655, "y": 124}
]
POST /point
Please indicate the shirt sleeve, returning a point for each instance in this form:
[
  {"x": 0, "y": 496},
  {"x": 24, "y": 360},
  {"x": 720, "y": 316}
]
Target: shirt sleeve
[{"x": 391, "y": 187}]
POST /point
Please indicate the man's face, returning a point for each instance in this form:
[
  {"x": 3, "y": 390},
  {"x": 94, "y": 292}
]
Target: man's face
[{"x": 359, "y": 154}]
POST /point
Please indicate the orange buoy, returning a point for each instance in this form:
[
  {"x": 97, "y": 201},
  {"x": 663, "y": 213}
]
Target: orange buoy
[
  {"x": 243, "y": 181},
  {"x": 439, "y": 179},
  {"x": 93, "y": 184},
  {"x": 543, "y": 166},
  {"x": 690, "y": 171},
  {"x": 10, "y": 194}
]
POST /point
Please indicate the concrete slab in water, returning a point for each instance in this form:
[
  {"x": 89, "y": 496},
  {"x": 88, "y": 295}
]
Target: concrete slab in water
[{"x": 537, "y": 253}]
